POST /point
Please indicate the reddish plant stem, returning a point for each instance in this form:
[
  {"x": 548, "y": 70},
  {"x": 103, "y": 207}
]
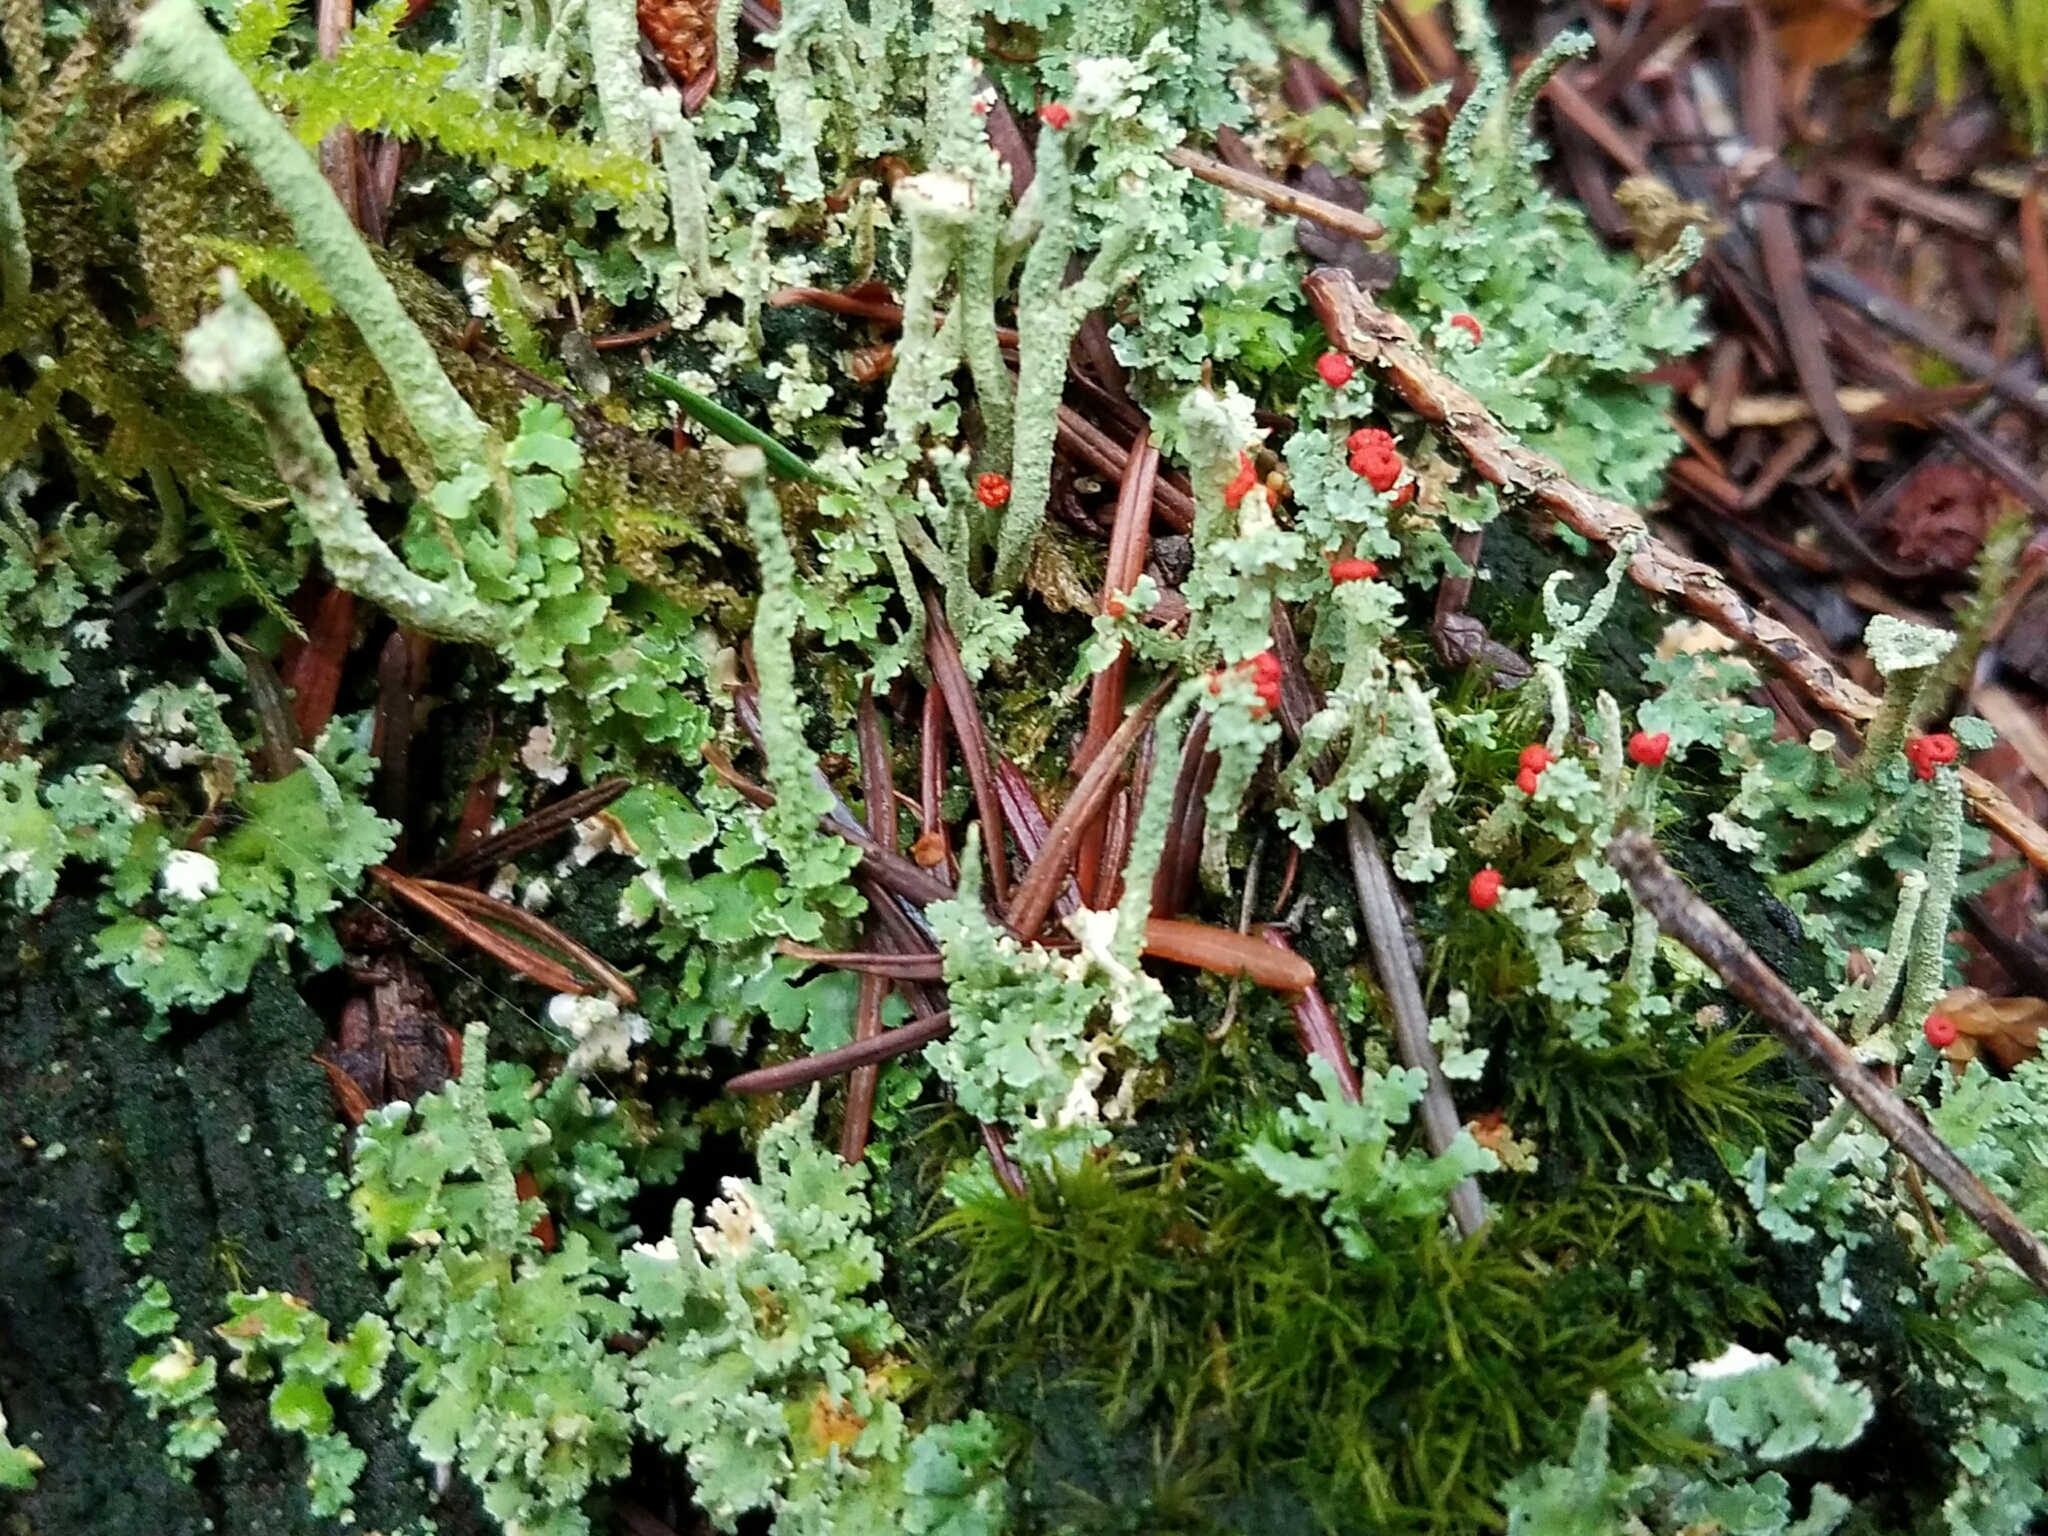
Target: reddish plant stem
[
  {"x": 1121, "y": 823},
  {"x": 531, "y": 925},
  {"x": 551, "y": 974},
  {"x": 1316, "y": 1027},
  {"x": 879, "y": 793},
  {"x": 542, "y": 826},
  {"x": 1029, "y": 827},
  {"x": 865, "y": 309},
  {"x": 1035, "y": 894},
  {"x": 1082, "y": 438},
  {"x": 931, "y": 779},
  {"x": 311, "y": 668},
  {"x": 1129, "y": 536},
  {"x": 961, "y": 707},
  {"x": 805, "y": 1070},
  {"x": 1173, "y": 884}
]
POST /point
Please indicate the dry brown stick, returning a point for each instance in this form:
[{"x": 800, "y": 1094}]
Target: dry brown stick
[
  {"x": 1590, "y": 120},
  {"x": 1385, "y": 343},
  {"x": 488, "y": 909},
  {"x": 1049, "y": 871},
  {"x": 544, "y": 825},
  {"x": 1707, "y": 934},
  {"x": 1129, "y": 536},
  {"x": 515, "y": 956},
  {"x": 878, "y": 790},
  {"x": 2034, "y": 250},
  {"x": 1784, "y": 264},
  {"x": 805, "y": 1070},
  {"x": 1278, "y": 195},
  {"x": 950, "y": 678},
  {"x": 1440, "y": 1124}
]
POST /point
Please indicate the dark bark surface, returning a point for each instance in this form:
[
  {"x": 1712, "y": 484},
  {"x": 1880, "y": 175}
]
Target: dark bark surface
[{"x": 224, "y": 1131}]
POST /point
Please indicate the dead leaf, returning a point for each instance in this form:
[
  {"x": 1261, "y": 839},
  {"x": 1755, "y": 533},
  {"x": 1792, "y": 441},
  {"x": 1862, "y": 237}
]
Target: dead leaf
[
  {"x": 2007, "y": 1029},
  {"x": 1813, "y": 33}
]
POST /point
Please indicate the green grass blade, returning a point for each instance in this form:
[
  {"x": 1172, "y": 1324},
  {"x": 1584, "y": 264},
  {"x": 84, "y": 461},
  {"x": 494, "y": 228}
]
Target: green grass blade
[{"x": 707, "y": 412}]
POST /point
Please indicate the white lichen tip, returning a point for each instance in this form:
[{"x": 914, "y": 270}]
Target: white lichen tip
[
  {"x": 1732, "y": 1361},
  {"x": 189, "y": 875},
  {"x": 1896, "y": 646},
  {"x": 231, "y": 346},
  {"x": 943, "y": 194}
]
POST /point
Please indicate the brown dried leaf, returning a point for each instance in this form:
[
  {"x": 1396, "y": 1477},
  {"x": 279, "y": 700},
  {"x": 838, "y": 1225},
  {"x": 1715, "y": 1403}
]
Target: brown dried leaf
[
  {"x": 1812, "y": 33},
  {"x": 2007, "y": 1029}
]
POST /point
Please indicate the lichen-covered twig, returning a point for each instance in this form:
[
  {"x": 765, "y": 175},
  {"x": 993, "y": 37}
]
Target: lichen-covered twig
[
  {"x": 1440, "y": 1124},
  {"x": 177, "y": 52},
  {"x": 1386, "y": 344},
  {"x": 16, "y": 269},
  {"x": 237, "y": 351},
  {"x": 1707, "y": 934}
]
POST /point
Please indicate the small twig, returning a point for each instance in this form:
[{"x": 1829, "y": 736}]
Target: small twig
[
  {"x": 951, "y": 679},
  {"x": 543, "y": 826},
  {"x": 515, "y": 956},
  {"x": 1089, "y": 443},
  {"x": 1035, "y": 892},
  {"x": 805, "y": 1070},
  {"x": 1708, "y": 935},
  {"x": 1129, "y": 536},
  {"x": 1278, "y": 195},
  {"x": 1396, "y": 968},
  {"x": 878, "y": 790},
  {"x": 1784, "y": 264},
  {"x": 2009, "y": 380}
]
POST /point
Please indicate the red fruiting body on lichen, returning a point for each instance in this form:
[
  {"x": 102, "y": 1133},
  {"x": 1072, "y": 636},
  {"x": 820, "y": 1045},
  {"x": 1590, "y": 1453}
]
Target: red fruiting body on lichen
[
  {"x": 1335, "y": 368},
  {"x": 1342, "y": 571},
  {"x": 1054, "y": 114},
  {"x": 1484, "y": 890},
  {"x": 1374, "y": 456},
  {"x": 1649, "y": 751},
  {"x": 1927, "y": 753},
  {"x": 1247, "y": 477},
  {"x": 1469, "y": 326},
  {"x": 1535, "y": 758},
  {"x": 1940, "y": 1031},
  {"x": 1405, "y": 495},
  {"x": 991, "y": 490},
  {"x": 1527, "y": 780}
]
